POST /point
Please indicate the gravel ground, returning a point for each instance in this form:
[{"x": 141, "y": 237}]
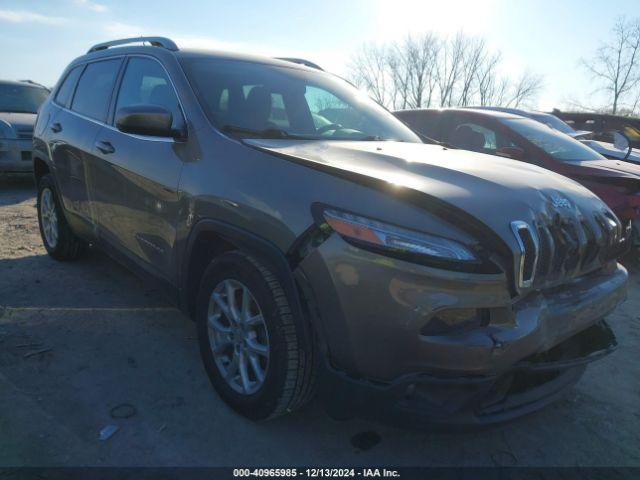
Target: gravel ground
[{"x": 79, "y": 339}]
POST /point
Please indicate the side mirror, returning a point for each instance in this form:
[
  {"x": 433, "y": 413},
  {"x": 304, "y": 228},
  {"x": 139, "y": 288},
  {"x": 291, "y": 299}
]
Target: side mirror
[
  {"x": 152, "y": 120},
  {"x": 619, "y": 145},
  {"x": 516, "y": 153},
  {"x": 622, "y": 143}
]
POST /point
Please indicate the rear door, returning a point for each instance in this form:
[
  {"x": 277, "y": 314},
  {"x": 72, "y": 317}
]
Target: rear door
[
  {"x": 136, "y": 176},
  {"x": 82, "y": 102},
  {"x": 66, "y": 156}
]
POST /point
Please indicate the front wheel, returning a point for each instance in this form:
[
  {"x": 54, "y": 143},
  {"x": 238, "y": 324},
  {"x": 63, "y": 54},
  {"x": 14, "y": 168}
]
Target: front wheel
[
  {"x": 57, "y": 237},
  {"x": 257, "y": 357}
]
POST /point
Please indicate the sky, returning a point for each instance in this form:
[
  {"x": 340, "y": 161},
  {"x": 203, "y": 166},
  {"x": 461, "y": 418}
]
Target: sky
[{"x": 548, "y": 37}]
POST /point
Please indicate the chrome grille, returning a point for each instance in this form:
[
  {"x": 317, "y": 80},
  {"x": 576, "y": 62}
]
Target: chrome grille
[
  {"x": 528, "y": 252},
  {"x": 563, "y": 247},
  {"x": 591, "y": 248}
]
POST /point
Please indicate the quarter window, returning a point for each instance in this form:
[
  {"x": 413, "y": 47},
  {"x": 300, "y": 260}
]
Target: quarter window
[
  {"x": 146, "y": 83},
  {"x": 94, "y": 89},
  {"x": 65, "y": 92}
]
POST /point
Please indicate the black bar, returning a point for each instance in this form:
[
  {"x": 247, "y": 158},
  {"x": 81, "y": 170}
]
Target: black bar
[{"x": 405, "y": 473}]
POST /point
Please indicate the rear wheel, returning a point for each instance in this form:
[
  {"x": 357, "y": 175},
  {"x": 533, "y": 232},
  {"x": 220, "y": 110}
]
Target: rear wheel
[
  {"x": 257, "y": 357},
  {"x": 57, "y": 237}
]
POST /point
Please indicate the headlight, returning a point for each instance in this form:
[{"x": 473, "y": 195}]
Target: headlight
[{"x": 395, "y": 239}]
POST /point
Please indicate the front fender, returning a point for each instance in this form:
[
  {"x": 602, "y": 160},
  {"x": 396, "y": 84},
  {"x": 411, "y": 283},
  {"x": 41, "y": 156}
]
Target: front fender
[{"x": 262, "y": 249}]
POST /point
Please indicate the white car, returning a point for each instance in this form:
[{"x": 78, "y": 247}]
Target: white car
[{"x": 19, "y": 103}]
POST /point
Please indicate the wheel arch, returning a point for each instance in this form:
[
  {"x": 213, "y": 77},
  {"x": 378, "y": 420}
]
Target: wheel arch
[
  {"x": 40, "y": 168},
  {"x": 210, "y": 238}
]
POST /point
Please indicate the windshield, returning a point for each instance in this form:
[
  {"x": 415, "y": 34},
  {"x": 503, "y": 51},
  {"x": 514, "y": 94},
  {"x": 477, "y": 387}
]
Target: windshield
[
  {"x": 21, "y": 98},
  {"x": 558, "y": 145},
  {"x": 554, "y": 122},
  {"x": 261, "y": 100}
]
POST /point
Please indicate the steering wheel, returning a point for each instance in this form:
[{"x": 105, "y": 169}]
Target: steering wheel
[{"x": 326, "y": 128}]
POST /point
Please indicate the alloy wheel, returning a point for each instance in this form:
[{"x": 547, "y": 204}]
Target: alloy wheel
[
  {"x": 238, "y": 336},
  {"x": 49, "y": 217}
]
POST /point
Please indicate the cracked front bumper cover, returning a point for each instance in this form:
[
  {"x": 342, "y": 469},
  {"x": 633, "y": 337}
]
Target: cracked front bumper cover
[
  {"x": 421, "y": 400},
  {"x": 383, "y": 359},
  {"x": 374, "y": 312}
]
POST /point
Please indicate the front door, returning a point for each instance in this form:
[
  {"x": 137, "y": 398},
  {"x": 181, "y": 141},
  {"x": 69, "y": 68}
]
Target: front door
[{"x": 137, "y": 177}]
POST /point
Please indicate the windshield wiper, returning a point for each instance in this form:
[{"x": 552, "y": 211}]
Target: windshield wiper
[{"x": 266, "y": 133}]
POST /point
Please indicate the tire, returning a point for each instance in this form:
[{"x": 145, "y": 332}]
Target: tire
[
  {"x": 290, "y": 370},
  {"x": 63, "y": 244}
]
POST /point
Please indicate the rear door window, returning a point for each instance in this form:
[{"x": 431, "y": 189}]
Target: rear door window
[{"x": 95, "y": 87}]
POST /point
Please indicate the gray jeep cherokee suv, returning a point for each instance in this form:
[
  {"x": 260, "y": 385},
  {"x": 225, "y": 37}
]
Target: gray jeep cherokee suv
[{"x": 318, "y": 242}]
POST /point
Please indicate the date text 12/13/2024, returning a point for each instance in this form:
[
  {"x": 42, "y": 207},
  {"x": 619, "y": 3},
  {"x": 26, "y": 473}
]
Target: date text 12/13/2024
[{"x": 316, "y": 472}]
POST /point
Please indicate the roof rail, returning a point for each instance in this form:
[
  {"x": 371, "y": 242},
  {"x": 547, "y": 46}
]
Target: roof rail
[
  {"x": 155, "y": 41},
  {"x": 301, "y": 61}
]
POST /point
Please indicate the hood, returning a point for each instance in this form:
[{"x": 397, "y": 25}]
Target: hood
[
  {"x": 494, "y": 190},
  {"x": 609, "y": 151},
  {"x": 604, "y": 168},
  {"x": 634, "y": 156},
  {"x": 21, "y": 123}
]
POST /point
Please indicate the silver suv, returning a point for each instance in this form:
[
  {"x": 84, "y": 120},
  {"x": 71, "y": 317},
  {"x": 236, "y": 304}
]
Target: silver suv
[{"x": 19, "y": 103}]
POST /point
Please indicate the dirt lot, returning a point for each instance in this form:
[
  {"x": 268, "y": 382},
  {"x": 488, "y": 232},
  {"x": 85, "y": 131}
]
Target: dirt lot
[{"x": 78, "y": 339}]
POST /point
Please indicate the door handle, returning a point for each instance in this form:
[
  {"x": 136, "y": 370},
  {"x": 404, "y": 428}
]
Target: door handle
[
  {"x": 105, "y": 147},
  {"x": 56, "y": 128}
]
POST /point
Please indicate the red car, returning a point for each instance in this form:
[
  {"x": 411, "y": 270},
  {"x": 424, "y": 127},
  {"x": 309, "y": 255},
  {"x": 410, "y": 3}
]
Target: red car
[{"x": 507, "y": 135}]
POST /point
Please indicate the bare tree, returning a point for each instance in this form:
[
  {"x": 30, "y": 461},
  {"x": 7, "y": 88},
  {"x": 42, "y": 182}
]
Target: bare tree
[
  {"x": 474, "y": 56},
  {"x": 421, "y": 61},
  {"x": 492, "y": 90},
  {"x": 369, "y": 71},
  {"x": 399, "y": 70},
  {"x": 429, "y": 70},
  {"x": 448, "y": 67},
  {"x": 524, "y": 90},
  {"x": 411, "y": 67},
  {"x": 616, "y": 64},
  {"x": 636, "y": 104}
]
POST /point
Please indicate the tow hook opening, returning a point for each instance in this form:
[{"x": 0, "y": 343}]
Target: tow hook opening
[
  {"x": 547, "y": 373},
  {"x": 584, "y": 347}
]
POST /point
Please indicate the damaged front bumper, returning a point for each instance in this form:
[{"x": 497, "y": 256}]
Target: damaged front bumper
[
  {"x": 421, "y": 400},
  {"x": 375, "y": 320}
]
